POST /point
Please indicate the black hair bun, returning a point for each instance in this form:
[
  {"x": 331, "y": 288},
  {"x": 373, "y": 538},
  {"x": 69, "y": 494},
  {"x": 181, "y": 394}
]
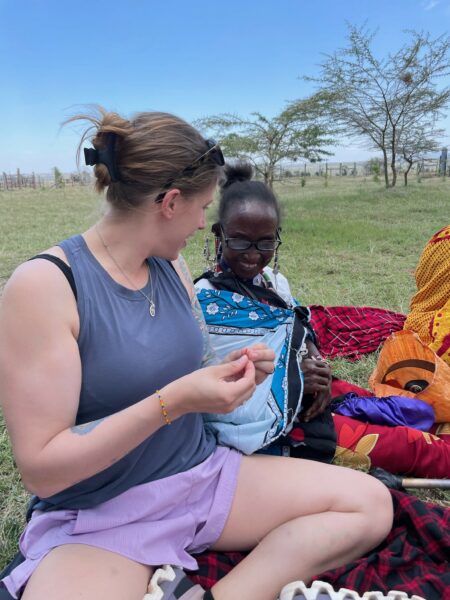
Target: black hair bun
[{"x": 236, "y": 172}]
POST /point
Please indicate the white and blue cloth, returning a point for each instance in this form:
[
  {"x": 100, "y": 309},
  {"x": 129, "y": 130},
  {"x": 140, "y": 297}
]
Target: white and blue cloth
[{"x": 234, "y": 322}]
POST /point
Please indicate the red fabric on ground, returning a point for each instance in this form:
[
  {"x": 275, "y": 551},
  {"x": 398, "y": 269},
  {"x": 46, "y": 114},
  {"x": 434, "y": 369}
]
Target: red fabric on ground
[
  {"x": 413, "y": 558},
  {"x": 339, "y": 387},
  {"x": 352, "y": 330},
  {"x": 401, "y": 450}
]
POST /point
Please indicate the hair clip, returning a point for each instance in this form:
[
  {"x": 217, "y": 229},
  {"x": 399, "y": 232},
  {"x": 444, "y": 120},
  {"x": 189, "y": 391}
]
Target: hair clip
[{"x": 104, "y": 156}]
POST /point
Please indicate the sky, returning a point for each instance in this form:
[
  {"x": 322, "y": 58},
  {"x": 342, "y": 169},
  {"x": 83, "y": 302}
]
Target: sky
[{"x": 193, "y": 58}]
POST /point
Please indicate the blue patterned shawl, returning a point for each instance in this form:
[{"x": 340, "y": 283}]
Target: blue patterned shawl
[{"x": 235, "y": 321}]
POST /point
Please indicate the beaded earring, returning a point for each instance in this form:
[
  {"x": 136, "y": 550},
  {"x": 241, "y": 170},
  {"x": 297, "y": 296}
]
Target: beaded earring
[
  {"x": 212, "y": 259},
  {"x": 276, "y": 257},
  {"x": 209, "y": 264},
  {"x": 276, "y": 263},
  {"x": 218, "y": 252}
]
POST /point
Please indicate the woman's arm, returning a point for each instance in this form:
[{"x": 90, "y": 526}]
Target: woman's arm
[
  {"x": 40, "y": 381},
  {"x": 180, "y": 266}
]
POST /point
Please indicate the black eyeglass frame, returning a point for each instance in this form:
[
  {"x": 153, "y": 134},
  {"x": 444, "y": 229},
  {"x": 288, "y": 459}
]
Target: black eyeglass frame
[
  {"x": 214, "y": 152},
  {"x": 276, "y": 243}
]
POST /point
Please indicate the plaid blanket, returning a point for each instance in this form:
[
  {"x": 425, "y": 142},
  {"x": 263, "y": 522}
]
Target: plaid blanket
[
  {"x": 413, "y": 558},
  {"x": 352, "y": 330}
]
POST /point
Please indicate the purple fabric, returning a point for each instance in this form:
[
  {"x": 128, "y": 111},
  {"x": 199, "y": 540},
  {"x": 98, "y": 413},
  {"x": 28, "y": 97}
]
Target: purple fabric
[
  {"x": 391, "y": 410},
  {"x": 160, "y": 522}
]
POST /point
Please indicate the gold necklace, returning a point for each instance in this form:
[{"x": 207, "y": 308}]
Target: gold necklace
[{"x": 151, "y": 304}]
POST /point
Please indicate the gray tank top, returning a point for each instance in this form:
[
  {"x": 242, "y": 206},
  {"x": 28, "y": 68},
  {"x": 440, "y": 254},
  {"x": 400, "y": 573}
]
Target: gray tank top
[{"x": 126, "y": 355}]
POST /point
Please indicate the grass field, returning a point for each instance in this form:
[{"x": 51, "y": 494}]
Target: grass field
[{"x": 352, "y": 242}]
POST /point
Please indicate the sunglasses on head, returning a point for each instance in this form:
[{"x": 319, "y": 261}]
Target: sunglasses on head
[
  {"x": 242, "y": 244},
  {"x": 213, "y": 153}
]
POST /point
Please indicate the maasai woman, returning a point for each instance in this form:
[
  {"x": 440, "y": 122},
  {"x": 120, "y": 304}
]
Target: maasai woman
[
  {"x": 244, "y": 300},
  {"x": 429, "y": 314}
]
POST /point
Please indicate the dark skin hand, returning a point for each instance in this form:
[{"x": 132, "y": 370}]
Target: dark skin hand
[{"x": 317, "y": 379}]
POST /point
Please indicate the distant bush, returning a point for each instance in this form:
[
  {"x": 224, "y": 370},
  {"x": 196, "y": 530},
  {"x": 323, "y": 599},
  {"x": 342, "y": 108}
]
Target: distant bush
[
  {"x": 58, "y": 176},
  {"x": 373, "y": 167}
]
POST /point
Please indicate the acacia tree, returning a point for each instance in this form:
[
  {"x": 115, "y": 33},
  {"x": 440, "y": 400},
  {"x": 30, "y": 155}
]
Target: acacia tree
[
  {"x": 298, "y": 131},
  {"x": 376, "y": 100}
]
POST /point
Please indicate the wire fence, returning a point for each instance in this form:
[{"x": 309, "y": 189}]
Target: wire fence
[
  {"x": 18, "y": 180},
  {"x": 427, "y": 167}
]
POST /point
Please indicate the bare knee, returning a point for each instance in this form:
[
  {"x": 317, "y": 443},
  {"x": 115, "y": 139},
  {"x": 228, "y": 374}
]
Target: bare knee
[{"x": 377, "y": 510}]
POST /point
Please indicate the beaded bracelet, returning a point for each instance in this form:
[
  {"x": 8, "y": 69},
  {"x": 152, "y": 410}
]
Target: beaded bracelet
[{"x": 163, "y": 408}]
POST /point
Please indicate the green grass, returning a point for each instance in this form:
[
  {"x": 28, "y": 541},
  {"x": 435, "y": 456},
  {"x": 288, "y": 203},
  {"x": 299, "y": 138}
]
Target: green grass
[{"x": 352, "y": 242}]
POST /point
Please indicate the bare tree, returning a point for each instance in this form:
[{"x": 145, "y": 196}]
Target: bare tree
[
  {"x": 297, "y": 132},
  {"x": 377, "y": 100}
]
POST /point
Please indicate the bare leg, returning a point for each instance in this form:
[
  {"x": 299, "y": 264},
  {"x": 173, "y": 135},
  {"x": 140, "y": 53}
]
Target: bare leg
[
  {"x": 80, "y": 572},
  {"x": 301, "y": 518}
]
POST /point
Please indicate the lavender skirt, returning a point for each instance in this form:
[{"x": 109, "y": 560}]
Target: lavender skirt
[{"x": 161, "y": 522}]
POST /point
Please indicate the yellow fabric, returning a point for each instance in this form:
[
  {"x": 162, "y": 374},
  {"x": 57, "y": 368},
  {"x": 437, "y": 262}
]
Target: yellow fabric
[
  {"x": 429, "y": 313},
  {"x": 440, "y": 333}
]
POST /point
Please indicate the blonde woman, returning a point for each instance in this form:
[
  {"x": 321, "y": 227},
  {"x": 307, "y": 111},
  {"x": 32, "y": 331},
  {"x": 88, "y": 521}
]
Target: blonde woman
[{"x": 102, "y": 390}]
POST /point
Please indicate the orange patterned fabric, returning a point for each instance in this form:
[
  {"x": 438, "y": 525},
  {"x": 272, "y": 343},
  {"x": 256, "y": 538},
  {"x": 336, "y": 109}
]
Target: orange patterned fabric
[
  {"x": 405, "y": 358},
  {"x": 429, "y": 313}
]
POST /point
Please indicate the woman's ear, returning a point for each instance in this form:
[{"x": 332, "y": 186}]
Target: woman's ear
[{"x": 170, "y": 203}]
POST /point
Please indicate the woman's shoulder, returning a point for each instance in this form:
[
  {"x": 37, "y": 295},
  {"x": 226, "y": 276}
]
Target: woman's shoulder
[
  {"x": 37, "y": 288},
  {"x": 35, "y": 272}
]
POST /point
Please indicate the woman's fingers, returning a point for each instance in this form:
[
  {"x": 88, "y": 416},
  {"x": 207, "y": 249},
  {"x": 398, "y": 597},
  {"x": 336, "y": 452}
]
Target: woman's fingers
[
  {"x": 235, "y": 371},
  {"x": 233, "y": 355},
  {"x": 317, "y": 365},
  {"x": 260, "y": 353},
  {"x": 242, "y": 387},
  {"x": 315, "y": 383},
  {"x": 230, "y": 371},
  {"x": 263, "y": 358},
  {"x": 317, "y": 374},
  {"x": 265, "y": 366}
]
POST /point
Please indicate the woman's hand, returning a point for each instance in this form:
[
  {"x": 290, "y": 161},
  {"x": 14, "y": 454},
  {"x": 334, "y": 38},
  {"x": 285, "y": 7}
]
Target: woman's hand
[
  {"x": 260, "y": 355},
  {"x": 317, "y": 381},
  {"x": 217, "y": 389},
  {"x": 317, "y": 375}
]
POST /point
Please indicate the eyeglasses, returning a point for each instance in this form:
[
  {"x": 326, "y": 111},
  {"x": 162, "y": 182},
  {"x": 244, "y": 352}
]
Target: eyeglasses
[
  {"x": 213, "y": 152},
  {"x": 241, "y": 244}
]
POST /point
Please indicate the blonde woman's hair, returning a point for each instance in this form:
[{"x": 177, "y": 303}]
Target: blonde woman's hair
[{"x": 150, "y": 150}]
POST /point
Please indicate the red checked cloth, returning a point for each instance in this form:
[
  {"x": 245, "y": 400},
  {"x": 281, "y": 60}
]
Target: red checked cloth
[{"x": 352, "y": 330}]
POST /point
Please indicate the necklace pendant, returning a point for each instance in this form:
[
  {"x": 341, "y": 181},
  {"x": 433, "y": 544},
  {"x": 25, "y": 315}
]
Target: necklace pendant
[{"x": 152, "y": 309}]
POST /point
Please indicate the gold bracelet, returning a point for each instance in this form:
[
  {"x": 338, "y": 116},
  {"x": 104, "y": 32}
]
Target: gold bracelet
[{"x": 163, "y": 408}]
